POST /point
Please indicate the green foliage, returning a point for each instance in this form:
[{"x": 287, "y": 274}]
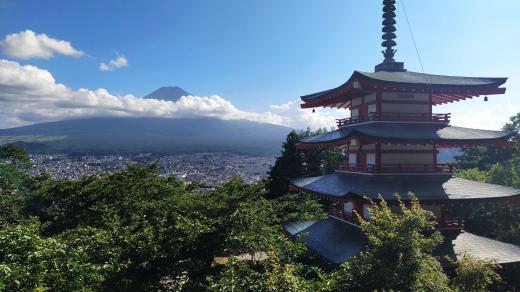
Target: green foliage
[
  {"x": 14, "y": 154},
  {"x": 498, "y": 221},
  {"x": 238, "y": 276},
  {"x": 288, "y": 165},
  {"x": 398, "y": 255},
  {"x": 493, "y": 165},
  {"x": 250, "y": 229},
  {"x": 484, "y": 158},
  {"x": 474, "y": 275},
  {"x": 298, "y": 206},
  {"x": 14, "y": 183},
  {"x": 513, "y": 126},
  {"x": 474, "y": 174},
  {"x": 29, "y": 261},
  {"x": 134, "y": 230},
  {"x": 505, "y": 173},
  {"x": 277, "y": 272},
  {"x": 296, "y": 162}
]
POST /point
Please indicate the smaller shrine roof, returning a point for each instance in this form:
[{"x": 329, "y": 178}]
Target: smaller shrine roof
[
  {"x": 333, "y": 239},
  {"x": 434, "y": 133},
  {"x": 425, "y": 187},
  {"x": 456, "y": 244},
  {"x": 337, "y": 241}
]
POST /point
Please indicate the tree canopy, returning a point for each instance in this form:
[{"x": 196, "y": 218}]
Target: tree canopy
[{"x": 133, "y": 230}]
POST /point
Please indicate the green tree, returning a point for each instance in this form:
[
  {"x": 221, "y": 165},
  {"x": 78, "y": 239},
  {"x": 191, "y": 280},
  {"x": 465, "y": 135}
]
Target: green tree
[
  {"x": 14, "y": 183},
  {"x": 251, "y": 230},
  {"x": 298, "y": 206},
  {"x": 14, "y": 154},
  {"x": 159, "y": 228},
  {"x": 294, "y": 163},
  {"x": 474, "y": 275},
  {"x": 278, "y": 271},
  {"x": 29, "y": 262},
  {"x": 474, "y": 174},
  {"x": 484, "y": 158},
  {"x": 288, "y": 165},
  {"x": 398, "y": 254},
  {"x": 513, "y": 126}
]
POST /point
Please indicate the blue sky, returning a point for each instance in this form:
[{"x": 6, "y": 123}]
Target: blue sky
[{"x": 256, "y": 54}]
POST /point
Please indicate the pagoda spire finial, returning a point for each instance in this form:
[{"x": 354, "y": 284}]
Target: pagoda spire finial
[
  {"x": 389, "y": 30},
  {"x": 389, "y": 64}
]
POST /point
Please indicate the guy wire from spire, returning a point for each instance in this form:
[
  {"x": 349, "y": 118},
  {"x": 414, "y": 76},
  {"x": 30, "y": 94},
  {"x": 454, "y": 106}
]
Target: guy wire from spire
[{"x": 411, "y": 33}]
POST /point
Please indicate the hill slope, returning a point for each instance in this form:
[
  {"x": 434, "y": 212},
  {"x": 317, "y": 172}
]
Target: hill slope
[{"x": 159, "y": 135}]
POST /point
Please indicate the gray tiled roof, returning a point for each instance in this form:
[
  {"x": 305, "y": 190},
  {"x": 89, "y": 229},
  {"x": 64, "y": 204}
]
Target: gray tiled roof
[
  {"x": 425, "y": 187},
  {"x": 409, "y": 131},
  {"x": 478, "y": 246},
  {"x": 337, "y": 241},
  {"x": 411, "y": 78}
]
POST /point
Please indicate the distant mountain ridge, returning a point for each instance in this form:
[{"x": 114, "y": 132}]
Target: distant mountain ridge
[
  {"x": 141, "y": 134},
  {"x": 156, "y": 135},
  {"x": 170, "y": 93}
]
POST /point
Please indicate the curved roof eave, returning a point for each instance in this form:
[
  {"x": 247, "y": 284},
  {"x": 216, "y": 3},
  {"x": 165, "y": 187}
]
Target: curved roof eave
[
  {"x": 409, "y": 132},
  {"x": 409, "y": 78}
]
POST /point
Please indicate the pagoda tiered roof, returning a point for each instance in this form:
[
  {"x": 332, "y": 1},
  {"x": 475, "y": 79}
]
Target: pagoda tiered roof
[
  {"x": 337, "y": 241},
  {"x": 444, "y": 89},
  {"x": 440, "y": 134},
  {"x": 392, "y": 139},
  {"x": 431, "y": 187}
]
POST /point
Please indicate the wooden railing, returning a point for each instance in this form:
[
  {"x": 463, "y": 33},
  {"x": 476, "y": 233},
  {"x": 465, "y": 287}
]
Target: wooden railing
[
  {"x": 395, "y": 117},
  {"x": 339, "y": 213},
  {"x": 396, "y": 168},
  {"x": 451, "y": 223}
]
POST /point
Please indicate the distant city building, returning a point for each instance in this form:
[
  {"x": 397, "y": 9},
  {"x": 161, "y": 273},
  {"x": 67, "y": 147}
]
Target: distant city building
[
  {"x": 211, "y": 169},
  {"x": 392, "y": 139}
]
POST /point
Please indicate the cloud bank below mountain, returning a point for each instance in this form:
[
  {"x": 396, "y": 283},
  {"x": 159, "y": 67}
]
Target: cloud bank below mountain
[{"x": 31, "y": 95}]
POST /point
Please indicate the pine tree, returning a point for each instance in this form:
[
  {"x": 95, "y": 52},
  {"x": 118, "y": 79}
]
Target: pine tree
[{"x": 290, "y": 164}]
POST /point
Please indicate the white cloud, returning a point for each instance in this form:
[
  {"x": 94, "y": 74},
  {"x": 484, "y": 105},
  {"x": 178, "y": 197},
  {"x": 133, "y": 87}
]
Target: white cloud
[
  {"x": 476, "y": 113},
  {"x": 113, "y": 64},
  {"x": 28, "y": 45},
  {"x": 299, "y": 118},
  {"x": 492, "y": 118},
  {"x": 30, "y": 95}
]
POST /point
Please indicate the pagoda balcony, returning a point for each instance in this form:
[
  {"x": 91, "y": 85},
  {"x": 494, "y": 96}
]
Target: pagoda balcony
[
  {"x": 396, "y": 117},
  {"x": 396, "y": 168}
]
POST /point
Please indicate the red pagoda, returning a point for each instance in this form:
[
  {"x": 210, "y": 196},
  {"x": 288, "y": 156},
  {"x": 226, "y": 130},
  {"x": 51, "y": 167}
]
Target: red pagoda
[{"x": 391, "y": 142}]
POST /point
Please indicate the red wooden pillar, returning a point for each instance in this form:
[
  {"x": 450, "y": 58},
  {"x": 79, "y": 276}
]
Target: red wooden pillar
[
  {"x": 442, "y": 219},
  {"x": 431, "y": 105},
  {"x": 379, "y": 97},
  {"x": 358, "y": 207},
  {"x": 378, "y": 156},
  {"x": 435, "y": 156}
]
